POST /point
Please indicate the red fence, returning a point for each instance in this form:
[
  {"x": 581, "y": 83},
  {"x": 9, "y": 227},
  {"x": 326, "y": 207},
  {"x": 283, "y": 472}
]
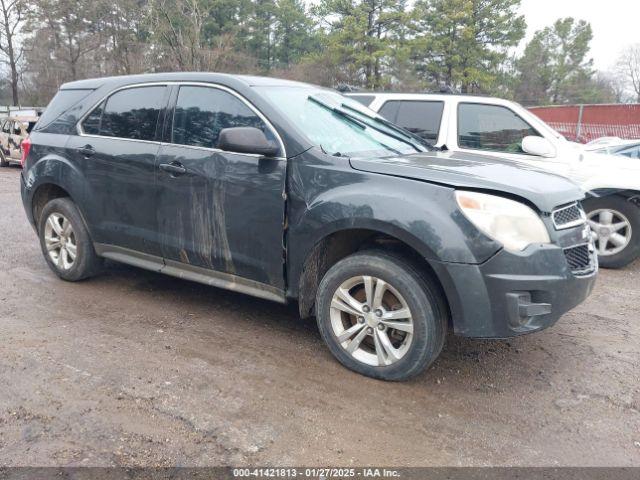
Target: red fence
[{"x": 584, "y": 123}]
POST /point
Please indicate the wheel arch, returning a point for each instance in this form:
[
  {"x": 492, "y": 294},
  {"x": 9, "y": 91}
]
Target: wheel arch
[
  {"x": 629, "y": 194},
  {"x": 42, "y": 195},
  {"x": 52, "y": 177},
  {"x": 340, "y": 243}
]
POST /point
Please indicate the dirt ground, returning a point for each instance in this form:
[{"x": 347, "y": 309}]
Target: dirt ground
[{"x": 135, "y": 368}]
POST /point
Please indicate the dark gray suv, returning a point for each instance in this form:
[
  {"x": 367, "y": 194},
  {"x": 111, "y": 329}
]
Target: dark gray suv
[{"x": 291, "y": 192}]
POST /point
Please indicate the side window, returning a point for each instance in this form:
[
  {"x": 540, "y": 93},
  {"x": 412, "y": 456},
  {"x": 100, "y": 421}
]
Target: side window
[
  {"x": 491, "y": 127},
  {"x": 421, "y": 117},
  {"x": 202, "y": 112},
  {"x": 633, "y": 152},
  {"x": 63, "y": 102},
  {"x": 6, "y": 128},
  {"x": 91, "y": 124},
  {"x": 132, "y": 113},
  {"x": 390, "y": 110}
]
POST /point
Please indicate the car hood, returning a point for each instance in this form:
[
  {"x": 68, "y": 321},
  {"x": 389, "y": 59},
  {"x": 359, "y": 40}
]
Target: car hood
[
  {"x": 545, "y": 190},
  {"x": 594, "y": 171}
]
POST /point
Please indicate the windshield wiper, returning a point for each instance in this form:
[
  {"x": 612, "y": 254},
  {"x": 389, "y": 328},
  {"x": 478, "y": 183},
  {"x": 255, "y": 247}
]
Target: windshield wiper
[
  {"x": 340, "y": 113},
  {"x": 394, "y": 127},
  {"x": 361, "y": 123}
]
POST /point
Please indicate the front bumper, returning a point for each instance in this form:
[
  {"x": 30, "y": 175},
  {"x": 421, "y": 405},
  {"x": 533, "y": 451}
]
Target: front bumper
[{"x": 514, "y": 293}]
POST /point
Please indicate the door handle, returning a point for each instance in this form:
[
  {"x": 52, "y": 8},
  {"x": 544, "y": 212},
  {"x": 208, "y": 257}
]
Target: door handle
[
  {"x": 87, "y": 151},
  {"x": 174, "y": 168}
]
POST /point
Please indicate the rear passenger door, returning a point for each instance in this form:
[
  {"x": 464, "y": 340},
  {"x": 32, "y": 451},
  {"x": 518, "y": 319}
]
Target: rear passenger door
[
  {"x": 219, "y": 211},
  {"x": 116, "y": 151}
]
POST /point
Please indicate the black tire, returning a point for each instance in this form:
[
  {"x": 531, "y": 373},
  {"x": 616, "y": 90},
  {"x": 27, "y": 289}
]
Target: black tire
[
  {"x": 86, "y": 263},
  {"x": 423, "y": 297},
  {"x": 3, "y": 160},
  {"x": 632, "y": 212}
]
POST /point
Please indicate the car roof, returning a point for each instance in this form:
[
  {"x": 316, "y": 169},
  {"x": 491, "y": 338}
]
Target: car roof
[
  {"x": 437, "y": 97},
  {"x": 208, "y": 77}
]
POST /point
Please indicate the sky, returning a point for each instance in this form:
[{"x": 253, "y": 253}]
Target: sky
[{"x": 615, "y": 23}]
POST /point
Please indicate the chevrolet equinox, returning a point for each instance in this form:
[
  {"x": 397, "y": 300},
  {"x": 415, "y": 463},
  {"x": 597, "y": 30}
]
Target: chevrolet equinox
[{"x": 292, "y": 192}]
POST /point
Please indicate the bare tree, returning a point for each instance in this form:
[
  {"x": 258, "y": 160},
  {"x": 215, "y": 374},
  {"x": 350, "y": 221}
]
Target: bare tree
[
  {"x": 629, "y": 66},
  {"x": 13, "y": 16}
]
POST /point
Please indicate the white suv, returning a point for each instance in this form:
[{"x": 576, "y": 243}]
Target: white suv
[{"x": 501, "y": 128}]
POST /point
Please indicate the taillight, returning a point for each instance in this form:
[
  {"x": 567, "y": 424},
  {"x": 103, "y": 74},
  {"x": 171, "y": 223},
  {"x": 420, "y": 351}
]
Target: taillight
[{"x": 25, "y": 146}]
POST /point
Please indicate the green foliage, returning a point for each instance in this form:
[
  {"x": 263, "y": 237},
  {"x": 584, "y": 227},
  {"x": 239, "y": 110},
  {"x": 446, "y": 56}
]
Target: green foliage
[
  {"x": 362, "y": 37},
  {"x": 464, "y": 43},
  {"x": 294, "y": 33},
  {"x": 374, "y": 44},
  {"x": 555, "y": 67}
]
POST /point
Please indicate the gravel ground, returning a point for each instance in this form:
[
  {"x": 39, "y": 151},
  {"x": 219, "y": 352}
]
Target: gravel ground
[{"x": 134, "y": 368}]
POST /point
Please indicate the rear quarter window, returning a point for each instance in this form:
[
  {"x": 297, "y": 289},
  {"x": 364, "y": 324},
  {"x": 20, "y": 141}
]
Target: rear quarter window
[{"x": 63, "y": 101}]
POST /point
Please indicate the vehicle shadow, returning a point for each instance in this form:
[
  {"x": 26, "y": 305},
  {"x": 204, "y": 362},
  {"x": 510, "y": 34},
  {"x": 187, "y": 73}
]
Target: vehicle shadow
[{"x": 459, "y": 354}]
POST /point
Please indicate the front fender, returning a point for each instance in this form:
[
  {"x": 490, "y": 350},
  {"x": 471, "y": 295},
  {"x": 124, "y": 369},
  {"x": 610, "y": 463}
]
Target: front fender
[
  {"x": 600, "y": 172},
  {"x": 327, "y": 199}
]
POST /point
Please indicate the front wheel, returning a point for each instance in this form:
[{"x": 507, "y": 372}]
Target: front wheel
[
  {"x": 380, "y": 316},
  {"x": 615, "y": 226}
]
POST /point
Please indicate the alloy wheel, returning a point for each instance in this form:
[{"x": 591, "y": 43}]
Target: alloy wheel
[
  {"x": 611, "y": 231},
  {"x": 371, "y": 321},
  {"x": 60, "y": 241}
]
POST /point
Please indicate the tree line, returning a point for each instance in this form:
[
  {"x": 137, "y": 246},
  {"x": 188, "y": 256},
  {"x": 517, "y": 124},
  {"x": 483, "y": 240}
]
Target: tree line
[{"x": 466, "y": 45}]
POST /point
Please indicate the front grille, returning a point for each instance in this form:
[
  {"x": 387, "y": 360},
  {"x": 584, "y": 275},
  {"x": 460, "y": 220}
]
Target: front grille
[
  {"x": 568, "y": 217},
  {"x": 579, "y": 259}
]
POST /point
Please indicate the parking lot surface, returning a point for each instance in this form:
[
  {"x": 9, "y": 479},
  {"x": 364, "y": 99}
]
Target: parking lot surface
[{"x": 136, "y": 368}]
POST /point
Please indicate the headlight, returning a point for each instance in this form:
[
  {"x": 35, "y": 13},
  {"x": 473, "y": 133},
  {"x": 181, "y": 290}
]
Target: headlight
[{"x": 509, "y": 222}]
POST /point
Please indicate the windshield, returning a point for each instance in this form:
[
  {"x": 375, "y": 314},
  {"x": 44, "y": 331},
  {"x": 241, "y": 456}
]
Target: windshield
[{"x": 341, "y": 126}]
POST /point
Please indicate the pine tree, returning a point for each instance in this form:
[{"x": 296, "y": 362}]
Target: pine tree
[
  {"x": 360, "y": 37},
  {"x": 464, "y": 43},
  {"x": 555, "y": 67}
]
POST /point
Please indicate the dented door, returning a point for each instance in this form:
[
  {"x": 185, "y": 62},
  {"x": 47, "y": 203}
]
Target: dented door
[
  {"x": 224, "y": 212},
  {"x": 218, "y": 210}
]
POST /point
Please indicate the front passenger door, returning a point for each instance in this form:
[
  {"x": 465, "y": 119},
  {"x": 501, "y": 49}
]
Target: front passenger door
[
  {"x": 498, "y": 131},
  {"x": 220, "y": 211}
]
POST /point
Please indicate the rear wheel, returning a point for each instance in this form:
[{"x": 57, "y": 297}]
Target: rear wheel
[
  {"x": 615, "y": 226},
  {"x": 380, "y": 317},
  {"x": 65, "y": 241}
]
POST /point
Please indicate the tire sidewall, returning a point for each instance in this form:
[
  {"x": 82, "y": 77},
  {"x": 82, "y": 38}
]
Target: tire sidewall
[
  {"x": 84, "y": 247},
  {"x": 428, "y": 335},
  {"x": 632, "y": 212}
]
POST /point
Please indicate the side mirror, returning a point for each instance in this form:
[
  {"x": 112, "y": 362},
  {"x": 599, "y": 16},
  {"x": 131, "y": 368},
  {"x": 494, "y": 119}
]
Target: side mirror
[
  {"x": 246, "y": 140},
  {"x": 538, "y": 146}
]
